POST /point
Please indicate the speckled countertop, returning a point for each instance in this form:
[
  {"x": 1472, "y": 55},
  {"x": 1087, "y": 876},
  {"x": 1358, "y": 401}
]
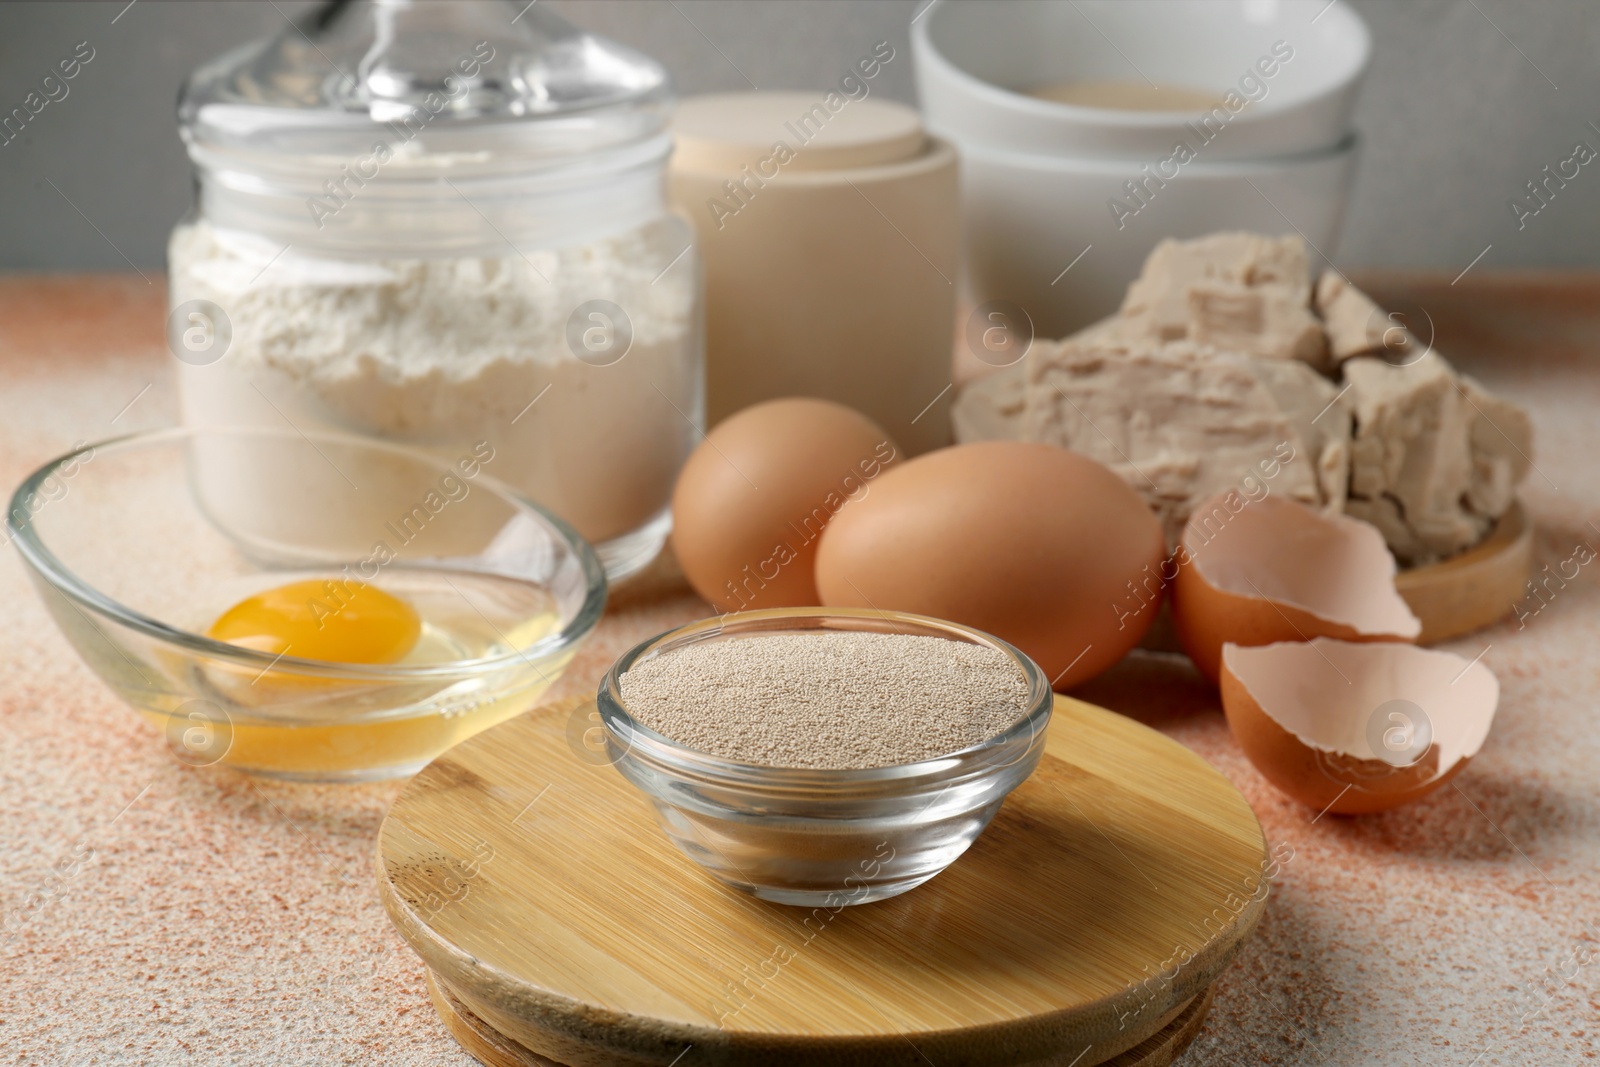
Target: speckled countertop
[{"x": 155, "y": 914}]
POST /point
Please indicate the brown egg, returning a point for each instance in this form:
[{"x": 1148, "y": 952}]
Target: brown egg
[
  {"x": 1037, "y": 545},
  {"x": 1258, "y": 571},
  {"x": 755, "y": 496},
  {"x": 1353, "y": 727}
]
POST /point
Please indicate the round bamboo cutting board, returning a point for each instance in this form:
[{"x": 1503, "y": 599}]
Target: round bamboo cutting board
[{"x": 560, "y": 926}]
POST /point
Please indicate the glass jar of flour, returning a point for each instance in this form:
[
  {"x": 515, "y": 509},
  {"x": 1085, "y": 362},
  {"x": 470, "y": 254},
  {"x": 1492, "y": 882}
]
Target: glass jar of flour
[{"x": 445, "y": 225}]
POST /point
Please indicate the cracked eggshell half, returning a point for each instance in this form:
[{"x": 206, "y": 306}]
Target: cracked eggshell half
[
  {"x": 1253, "y": 572},
  {"x": 1356, "y": 727}
]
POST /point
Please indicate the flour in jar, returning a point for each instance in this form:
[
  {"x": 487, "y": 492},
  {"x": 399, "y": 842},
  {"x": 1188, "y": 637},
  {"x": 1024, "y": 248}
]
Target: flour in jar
[{"x": 445, "y": 352}]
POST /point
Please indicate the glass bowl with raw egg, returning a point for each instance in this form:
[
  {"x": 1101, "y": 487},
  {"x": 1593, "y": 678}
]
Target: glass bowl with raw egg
[{"x": 315, "y": 606}]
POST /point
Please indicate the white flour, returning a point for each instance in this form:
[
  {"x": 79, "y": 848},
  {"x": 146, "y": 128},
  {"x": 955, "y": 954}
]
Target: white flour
[{"x": 445, "y": 352}]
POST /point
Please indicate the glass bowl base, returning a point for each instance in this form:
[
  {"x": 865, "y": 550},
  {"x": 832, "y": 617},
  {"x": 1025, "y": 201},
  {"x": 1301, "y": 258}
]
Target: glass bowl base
[
  {"x": 622, "y": 557},
  {"x": 832, "y": 898},
  {"x": 355, "y": 774}
]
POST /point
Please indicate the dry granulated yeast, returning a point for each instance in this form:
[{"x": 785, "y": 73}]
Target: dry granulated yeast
[{"x": 829, "y": 699}]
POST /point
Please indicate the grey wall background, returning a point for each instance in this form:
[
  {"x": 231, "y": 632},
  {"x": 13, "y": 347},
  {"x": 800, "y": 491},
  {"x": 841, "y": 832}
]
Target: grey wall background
[{"x": 1466, "y": 101}]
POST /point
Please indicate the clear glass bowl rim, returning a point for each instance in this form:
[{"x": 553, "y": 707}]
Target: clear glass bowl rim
[
  {"x": 761, "y": 777},
  {"x": 45, "y": 563}
]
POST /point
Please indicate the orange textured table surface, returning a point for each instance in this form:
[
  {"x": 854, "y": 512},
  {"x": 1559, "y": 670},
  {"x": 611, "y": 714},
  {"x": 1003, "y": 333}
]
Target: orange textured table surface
[{"x": 156, "y": 914}]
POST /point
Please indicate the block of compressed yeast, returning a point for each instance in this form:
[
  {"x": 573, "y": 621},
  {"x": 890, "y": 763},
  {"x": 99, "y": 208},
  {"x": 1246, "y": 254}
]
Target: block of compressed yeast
[
  {"x": 990, "y": 409},
  {"x": 1267, "y": 321},
  {"x": 1500, "y": 435},
  {"x": 1180, "y": 422},
  {"x": 1355, "y": 325},
  {"x": 1434, "y": 458},
  {"x": 1243, "y": 292}
]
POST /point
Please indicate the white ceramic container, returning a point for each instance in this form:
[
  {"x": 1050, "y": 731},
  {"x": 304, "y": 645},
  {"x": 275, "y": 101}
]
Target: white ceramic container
[
  {"x": 1043, "y": 183},
  {"x": 1297, "y": 62},
  {"x": 1028, "y": 218},
  {"x": 830, "y": 266}
]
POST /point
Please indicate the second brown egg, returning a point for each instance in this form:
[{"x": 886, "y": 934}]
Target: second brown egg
[{"x": 755, "y": 496}]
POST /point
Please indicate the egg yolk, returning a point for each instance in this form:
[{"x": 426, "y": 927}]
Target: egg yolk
[{"x": 335, "y": 620}]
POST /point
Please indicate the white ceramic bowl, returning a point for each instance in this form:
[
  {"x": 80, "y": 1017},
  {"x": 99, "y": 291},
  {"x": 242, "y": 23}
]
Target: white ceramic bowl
[
  {"x": 975, "y": 61},
  {"x": 1027, "y": 217}
]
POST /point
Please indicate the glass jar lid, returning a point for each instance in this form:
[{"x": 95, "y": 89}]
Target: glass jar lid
[
  {"x": 453, "y": 80},
  {"x": 428, "y": 127}
]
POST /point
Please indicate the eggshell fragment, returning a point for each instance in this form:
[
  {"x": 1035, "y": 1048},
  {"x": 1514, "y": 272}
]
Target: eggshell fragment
[
  {"x": 1255, "y": 572},
  {"x": 1355, "y": 727},
  {"x": 1040, "y": 546},
  {"x": 754, "y": 497}
]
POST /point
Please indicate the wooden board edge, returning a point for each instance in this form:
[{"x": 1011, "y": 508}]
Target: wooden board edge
[
  {"x": 480, "y": 1040},
  {"x": 1164, "y": 1046},
  {"x": 493, "y": 1049}
]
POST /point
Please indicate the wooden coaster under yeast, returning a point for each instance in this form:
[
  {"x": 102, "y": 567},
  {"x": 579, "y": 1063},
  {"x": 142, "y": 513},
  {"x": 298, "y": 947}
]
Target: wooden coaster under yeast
[
  {"x": 1478, "y": 588},
  {"x": 560, "y": 927}
]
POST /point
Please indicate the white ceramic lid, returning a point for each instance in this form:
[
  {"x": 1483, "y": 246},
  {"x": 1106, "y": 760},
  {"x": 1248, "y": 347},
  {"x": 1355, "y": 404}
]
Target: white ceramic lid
[{"x": 722, "y": 132}]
